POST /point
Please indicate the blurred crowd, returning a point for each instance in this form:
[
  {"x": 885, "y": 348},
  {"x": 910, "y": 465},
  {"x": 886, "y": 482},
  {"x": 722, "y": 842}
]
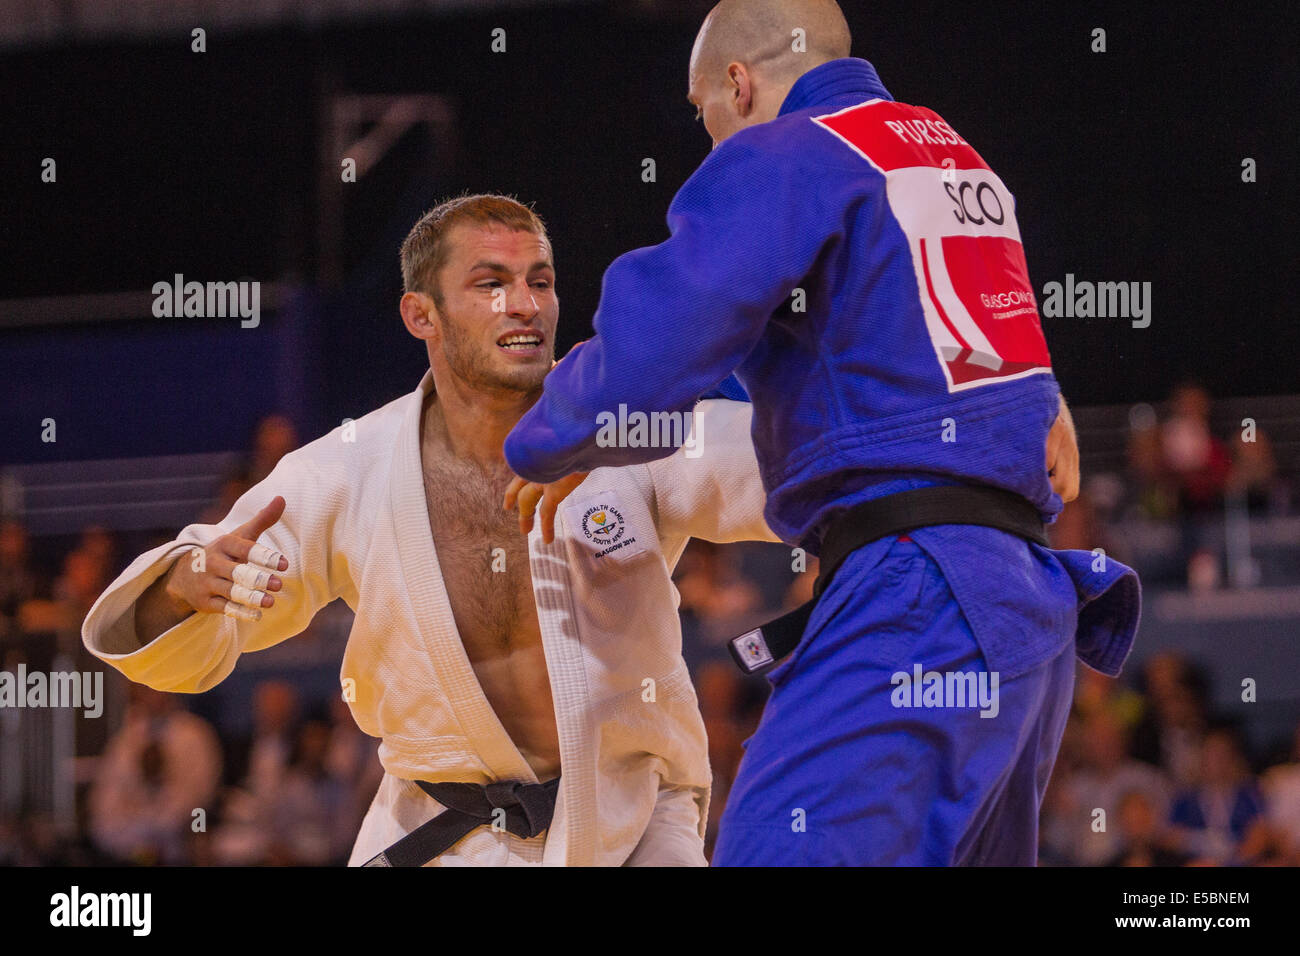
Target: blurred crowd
[
  {"x": 1148, "y": 774},
  {"x": 169, "y": 790},
  {"x": 1182, "y": 474},
  {"x": 1151, "y": 777},
  {"x": 1180, "y": 467}
]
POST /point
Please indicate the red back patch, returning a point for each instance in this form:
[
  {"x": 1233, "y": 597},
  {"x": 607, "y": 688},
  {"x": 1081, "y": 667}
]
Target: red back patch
[{"x": 959, "y": 219}]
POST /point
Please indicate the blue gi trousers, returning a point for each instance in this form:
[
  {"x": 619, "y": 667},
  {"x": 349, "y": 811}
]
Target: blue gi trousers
[{"x": 840, "y": 773}]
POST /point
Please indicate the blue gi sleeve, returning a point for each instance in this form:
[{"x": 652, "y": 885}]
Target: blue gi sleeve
[{"x": 676, "y": 319}]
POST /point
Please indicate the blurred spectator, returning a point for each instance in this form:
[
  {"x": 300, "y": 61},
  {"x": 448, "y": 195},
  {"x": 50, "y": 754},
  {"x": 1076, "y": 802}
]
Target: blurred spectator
[
  {"x": 1108, "y": 773},
  {"x": 1175, "y": 717},
  {"x": 17, "y": 578},
  {"x": 1198, "y": 462},
  {"x": 1095, "y": 693},
  {"x": 719, "y": 686},
  {"x": 274, "y": 437},
  {"x": 245, "y": 836},
  {"x": 84, "y": 577},
  {"x": 1213, "y": 818},
  {"x": 1144, "y": 839},
  {"x": 159, "y": 768},
  {"x": 101, "y": 546},
  {"x": 1184, "y": 471},
  {"x": 353, "y": 759},
  {"x": 275, "y": 708},
  {"x": 302, "y": 814},
  {"x": 717, "y": 601},
  {"x": 86, "y": 572},
  {"x": 1157, "y": 494},
  {"x": 1281, "y": 788},
  {"x": 1199, "y": 465},
  {"x": 1058, "y": 821},
  {"x": 1254, "y": 469}
]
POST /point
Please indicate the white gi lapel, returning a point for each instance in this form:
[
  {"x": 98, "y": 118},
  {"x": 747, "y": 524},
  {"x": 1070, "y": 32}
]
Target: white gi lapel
[
  {"x": 572, "y": 840},
  {"x": 428, "y": 594}
]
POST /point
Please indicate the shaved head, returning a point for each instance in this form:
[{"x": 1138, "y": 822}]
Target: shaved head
[
  {"x": 763, "y": 33},
  {"x": 750, "y": 52}
]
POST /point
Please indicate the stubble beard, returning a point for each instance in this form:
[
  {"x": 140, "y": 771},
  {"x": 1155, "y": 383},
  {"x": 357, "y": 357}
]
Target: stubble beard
[{"x": 473, "y": 365}]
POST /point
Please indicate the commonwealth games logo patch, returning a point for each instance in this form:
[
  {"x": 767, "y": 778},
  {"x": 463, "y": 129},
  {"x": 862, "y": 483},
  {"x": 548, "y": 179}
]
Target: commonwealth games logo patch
[{"x": 603, "y": 525}]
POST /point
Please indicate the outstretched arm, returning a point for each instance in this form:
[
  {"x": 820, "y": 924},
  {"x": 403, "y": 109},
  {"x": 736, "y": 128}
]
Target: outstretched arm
[{"x": 676, "y": 319}]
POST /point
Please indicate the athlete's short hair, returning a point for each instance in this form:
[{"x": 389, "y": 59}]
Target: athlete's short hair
[{"x": 425, "y": 249}]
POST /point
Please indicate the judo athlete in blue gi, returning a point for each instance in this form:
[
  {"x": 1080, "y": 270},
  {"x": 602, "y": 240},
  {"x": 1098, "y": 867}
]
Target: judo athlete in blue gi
[{"x": 858, "y": 266}]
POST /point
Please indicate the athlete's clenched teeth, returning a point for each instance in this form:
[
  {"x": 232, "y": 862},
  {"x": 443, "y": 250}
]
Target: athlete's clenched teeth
[{"x": 520, "y": 341}]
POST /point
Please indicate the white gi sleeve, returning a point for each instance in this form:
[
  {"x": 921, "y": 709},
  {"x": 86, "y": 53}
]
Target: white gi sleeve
[
  {"x": 202, "y": 650},
  {"x": 673, "y": 837},
  {"x": 713, "y": 490}
]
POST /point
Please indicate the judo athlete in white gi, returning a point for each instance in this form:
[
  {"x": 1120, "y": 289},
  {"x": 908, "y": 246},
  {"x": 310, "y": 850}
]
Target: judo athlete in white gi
[{"x": 478, "y": 656}]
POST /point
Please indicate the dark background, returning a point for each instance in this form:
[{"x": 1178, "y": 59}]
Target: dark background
[{"x": 1126, "y": 166}]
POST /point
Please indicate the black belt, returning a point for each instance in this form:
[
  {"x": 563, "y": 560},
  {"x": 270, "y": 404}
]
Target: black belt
[
  {"x": 759, "y": 650},
  {"x": 524, "y": 809}
]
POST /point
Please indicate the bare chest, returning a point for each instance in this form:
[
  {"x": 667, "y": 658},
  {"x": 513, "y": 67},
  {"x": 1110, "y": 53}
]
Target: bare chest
[{"x": 484, "y": 561}]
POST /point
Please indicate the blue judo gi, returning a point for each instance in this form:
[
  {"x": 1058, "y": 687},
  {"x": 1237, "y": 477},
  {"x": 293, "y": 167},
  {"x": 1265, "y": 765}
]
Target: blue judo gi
[{"x": 858, "y": 266}]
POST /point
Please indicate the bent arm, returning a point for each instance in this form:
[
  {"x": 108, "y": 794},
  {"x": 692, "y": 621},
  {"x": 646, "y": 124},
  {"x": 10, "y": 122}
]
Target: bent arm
[
  {"x": 194, "y": 652},
  {"x": 156, "y": 611}
]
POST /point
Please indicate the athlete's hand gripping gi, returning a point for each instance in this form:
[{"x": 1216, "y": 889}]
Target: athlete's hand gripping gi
[{"x": 543, "y": 500}]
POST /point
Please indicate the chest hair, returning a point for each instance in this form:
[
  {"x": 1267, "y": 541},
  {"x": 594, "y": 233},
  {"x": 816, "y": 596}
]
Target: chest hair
[{"x": 490, "y": 591}]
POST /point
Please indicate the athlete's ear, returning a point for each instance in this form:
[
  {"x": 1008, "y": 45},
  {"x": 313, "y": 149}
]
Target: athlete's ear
[
  {"x": 742, "y": 89},
  {"x": 419, "y": 315}
]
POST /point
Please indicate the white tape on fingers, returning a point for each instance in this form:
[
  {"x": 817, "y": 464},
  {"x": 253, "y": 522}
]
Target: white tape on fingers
[
  {"x": 251, "y": 576},
  {"x": 265, "y": 556},
  {"x": 242, "y": 595},
  {"x": 241, "y": 613}
]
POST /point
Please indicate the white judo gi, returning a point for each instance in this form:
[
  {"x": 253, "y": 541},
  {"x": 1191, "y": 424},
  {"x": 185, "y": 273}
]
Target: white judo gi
[{"x": 635, "y": 774}]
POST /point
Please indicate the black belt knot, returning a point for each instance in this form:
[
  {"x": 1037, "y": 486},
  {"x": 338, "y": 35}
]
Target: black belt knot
[
  {"x": 523, "y": 809},
  {"x": 528, "y": 806}
]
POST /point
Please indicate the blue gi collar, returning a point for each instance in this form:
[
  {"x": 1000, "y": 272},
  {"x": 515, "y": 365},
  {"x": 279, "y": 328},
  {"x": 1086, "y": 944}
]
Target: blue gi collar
[{"x": 851, "y": 79}]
